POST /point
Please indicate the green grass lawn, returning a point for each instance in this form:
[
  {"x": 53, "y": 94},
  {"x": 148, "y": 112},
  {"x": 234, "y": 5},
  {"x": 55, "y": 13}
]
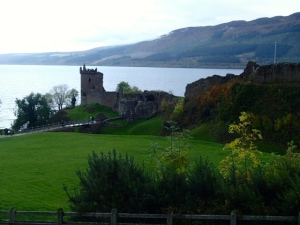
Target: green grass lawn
[{"x": 35, "y": 167}]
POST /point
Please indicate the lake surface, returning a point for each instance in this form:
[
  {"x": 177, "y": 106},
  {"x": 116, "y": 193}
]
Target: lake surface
[{"x": 18, "y": 81}]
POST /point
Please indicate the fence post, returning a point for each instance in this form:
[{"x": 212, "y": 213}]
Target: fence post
[
  {"x": 170, "y": 218},
  {"x": 233, "y": 218},
  {"x": 60, "y": 216},
  {"x": 12, "y": 216},
  {"x": 113, "y": 217}
]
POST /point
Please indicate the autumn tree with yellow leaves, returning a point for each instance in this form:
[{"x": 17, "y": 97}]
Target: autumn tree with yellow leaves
[{"x": 243, "y": 151}]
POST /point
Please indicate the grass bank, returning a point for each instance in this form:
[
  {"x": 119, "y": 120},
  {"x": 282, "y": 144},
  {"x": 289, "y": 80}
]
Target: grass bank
[{"x": 35, "y": 167}]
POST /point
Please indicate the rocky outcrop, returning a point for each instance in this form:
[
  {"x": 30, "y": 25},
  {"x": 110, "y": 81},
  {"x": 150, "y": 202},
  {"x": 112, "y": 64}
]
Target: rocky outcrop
[{"x": 275, "y": 73}]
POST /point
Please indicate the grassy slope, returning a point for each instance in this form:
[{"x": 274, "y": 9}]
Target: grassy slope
[
  {"x": 35, "y": 167},
  {"x": 84, "y": 112},
  {"x": 152, "y": 126}
]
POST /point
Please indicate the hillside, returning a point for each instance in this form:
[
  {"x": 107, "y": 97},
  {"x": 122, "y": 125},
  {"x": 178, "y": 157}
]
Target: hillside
[{"x": 230, "y": 44}]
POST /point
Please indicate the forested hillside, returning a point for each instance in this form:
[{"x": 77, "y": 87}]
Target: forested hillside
[{"x": 229, "y": 45}]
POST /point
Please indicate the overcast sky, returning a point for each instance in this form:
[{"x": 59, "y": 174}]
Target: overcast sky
[{"x": 74, "y": 25}]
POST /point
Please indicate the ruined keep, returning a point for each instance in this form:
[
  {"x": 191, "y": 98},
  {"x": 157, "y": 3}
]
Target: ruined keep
[
  {"x": 141, "y": 105},
  {"x": 92, "y": 90}
]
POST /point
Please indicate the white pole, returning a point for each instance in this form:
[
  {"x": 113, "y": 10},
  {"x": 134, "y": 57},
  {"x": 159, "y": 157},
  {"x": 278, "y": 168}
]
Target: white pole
[{"x": 275, "y": 53}]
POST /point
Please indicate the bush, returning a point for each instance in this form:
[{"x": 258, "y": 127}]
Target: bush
[
  {"x": 172, "y": 188},
  {"x": 204, "y": 187},
  {"x": 240, "y": 194},
  {"x": 111, "y": 181}
]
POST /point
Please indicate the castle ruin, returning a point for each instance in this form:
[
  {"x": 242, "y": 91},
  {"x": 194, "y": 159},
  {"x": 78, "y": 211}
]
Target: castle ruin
[
  {"x": 139, "y": 106},
  {"x": 265, "y": 74}
]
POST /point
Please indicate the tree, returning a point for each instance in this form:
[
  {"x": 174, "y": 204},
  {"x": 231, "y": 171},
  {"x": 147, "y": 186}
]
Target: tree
[
  {"x": 243, "y": 152},
  {"x": 125, "y": 86},
  {"x": 174, "y": 157},
  {"x": 32, "y": 110},
  {"x": 62, "y": 96},
  {"x": 50, "y": 102},
  {"x": 73, "y": 95},
  {"x": 135, "y": 89}
]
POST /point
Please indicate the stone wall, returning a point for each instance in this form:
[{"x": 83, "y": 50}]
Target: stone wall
[
  {"x": 194, "y": 89},
  {"x": 278, "y": 73},
  {"x": 110, "y": 99},
  {"x": 143, "y": 105}
]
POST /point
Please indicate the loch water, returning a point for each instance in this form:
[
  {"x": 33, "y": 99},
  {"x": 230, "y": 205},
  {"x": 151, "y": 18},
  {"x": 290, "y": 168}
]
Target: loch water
[{"x": 18, "y": 81}]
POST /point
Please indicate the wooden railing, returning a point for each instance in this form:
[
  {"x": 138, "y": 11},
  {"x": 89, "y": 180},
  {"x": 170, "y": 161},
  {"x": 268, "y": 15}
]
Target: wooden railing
[{"x": 14, "y": 217}]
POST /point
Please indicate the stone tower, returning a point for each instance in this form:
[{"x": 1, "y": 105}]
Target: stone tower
[
  {"x": 92, "y": 90},
  {"x": 91, "y": 85}
]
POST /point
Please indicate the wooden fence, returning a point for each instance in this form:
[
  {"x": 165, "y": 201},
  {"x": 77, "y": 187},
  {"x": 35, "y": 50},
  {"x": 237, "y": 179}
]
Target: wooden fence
[{"x": 14, "y": 217}]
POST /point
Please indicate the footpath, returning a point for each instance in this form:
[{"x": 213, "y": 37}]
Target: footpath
[{"x": 57, "y": 126}]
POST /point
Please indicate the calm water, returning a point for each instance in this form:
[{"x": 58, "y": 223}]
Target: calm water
[{"x": 18, "y": 81}]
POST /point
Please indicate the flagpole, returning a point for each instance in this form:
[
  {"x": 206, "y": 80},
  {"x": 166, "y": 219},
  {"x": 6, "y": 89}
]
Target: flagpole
[{"x": 275, "y": 53}]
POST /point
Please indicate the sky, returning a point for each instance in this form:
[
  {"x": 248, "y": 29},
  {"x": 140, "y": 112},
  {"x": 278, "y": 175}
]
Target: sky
[{"x": 31, "y": 26}]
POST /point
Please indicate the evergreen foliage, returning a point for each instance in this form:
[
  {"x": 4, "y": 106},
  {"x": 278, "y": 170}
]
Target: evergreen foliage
[
  {"x": 111, "y": 181},
  {"x": 204, "y": 188}
]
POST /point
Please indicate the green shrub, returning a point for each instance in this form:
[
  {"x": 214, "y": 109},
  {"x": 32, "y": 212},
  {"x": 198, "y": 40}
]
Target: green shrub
[
  {"x": 172, "y": 188},
  {"x": 240, "y": 194},
  {"x": 111, "y": 181},
  {"x": 290, "y": 198},
  {"x": 204, "y": 187}
]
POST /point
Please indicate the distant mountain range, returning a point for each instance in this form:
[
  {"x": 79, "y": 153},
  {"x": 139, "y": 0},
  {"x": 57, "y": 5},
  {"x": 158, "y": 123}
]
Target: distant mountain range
[{"x": 227, "y": 45}]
